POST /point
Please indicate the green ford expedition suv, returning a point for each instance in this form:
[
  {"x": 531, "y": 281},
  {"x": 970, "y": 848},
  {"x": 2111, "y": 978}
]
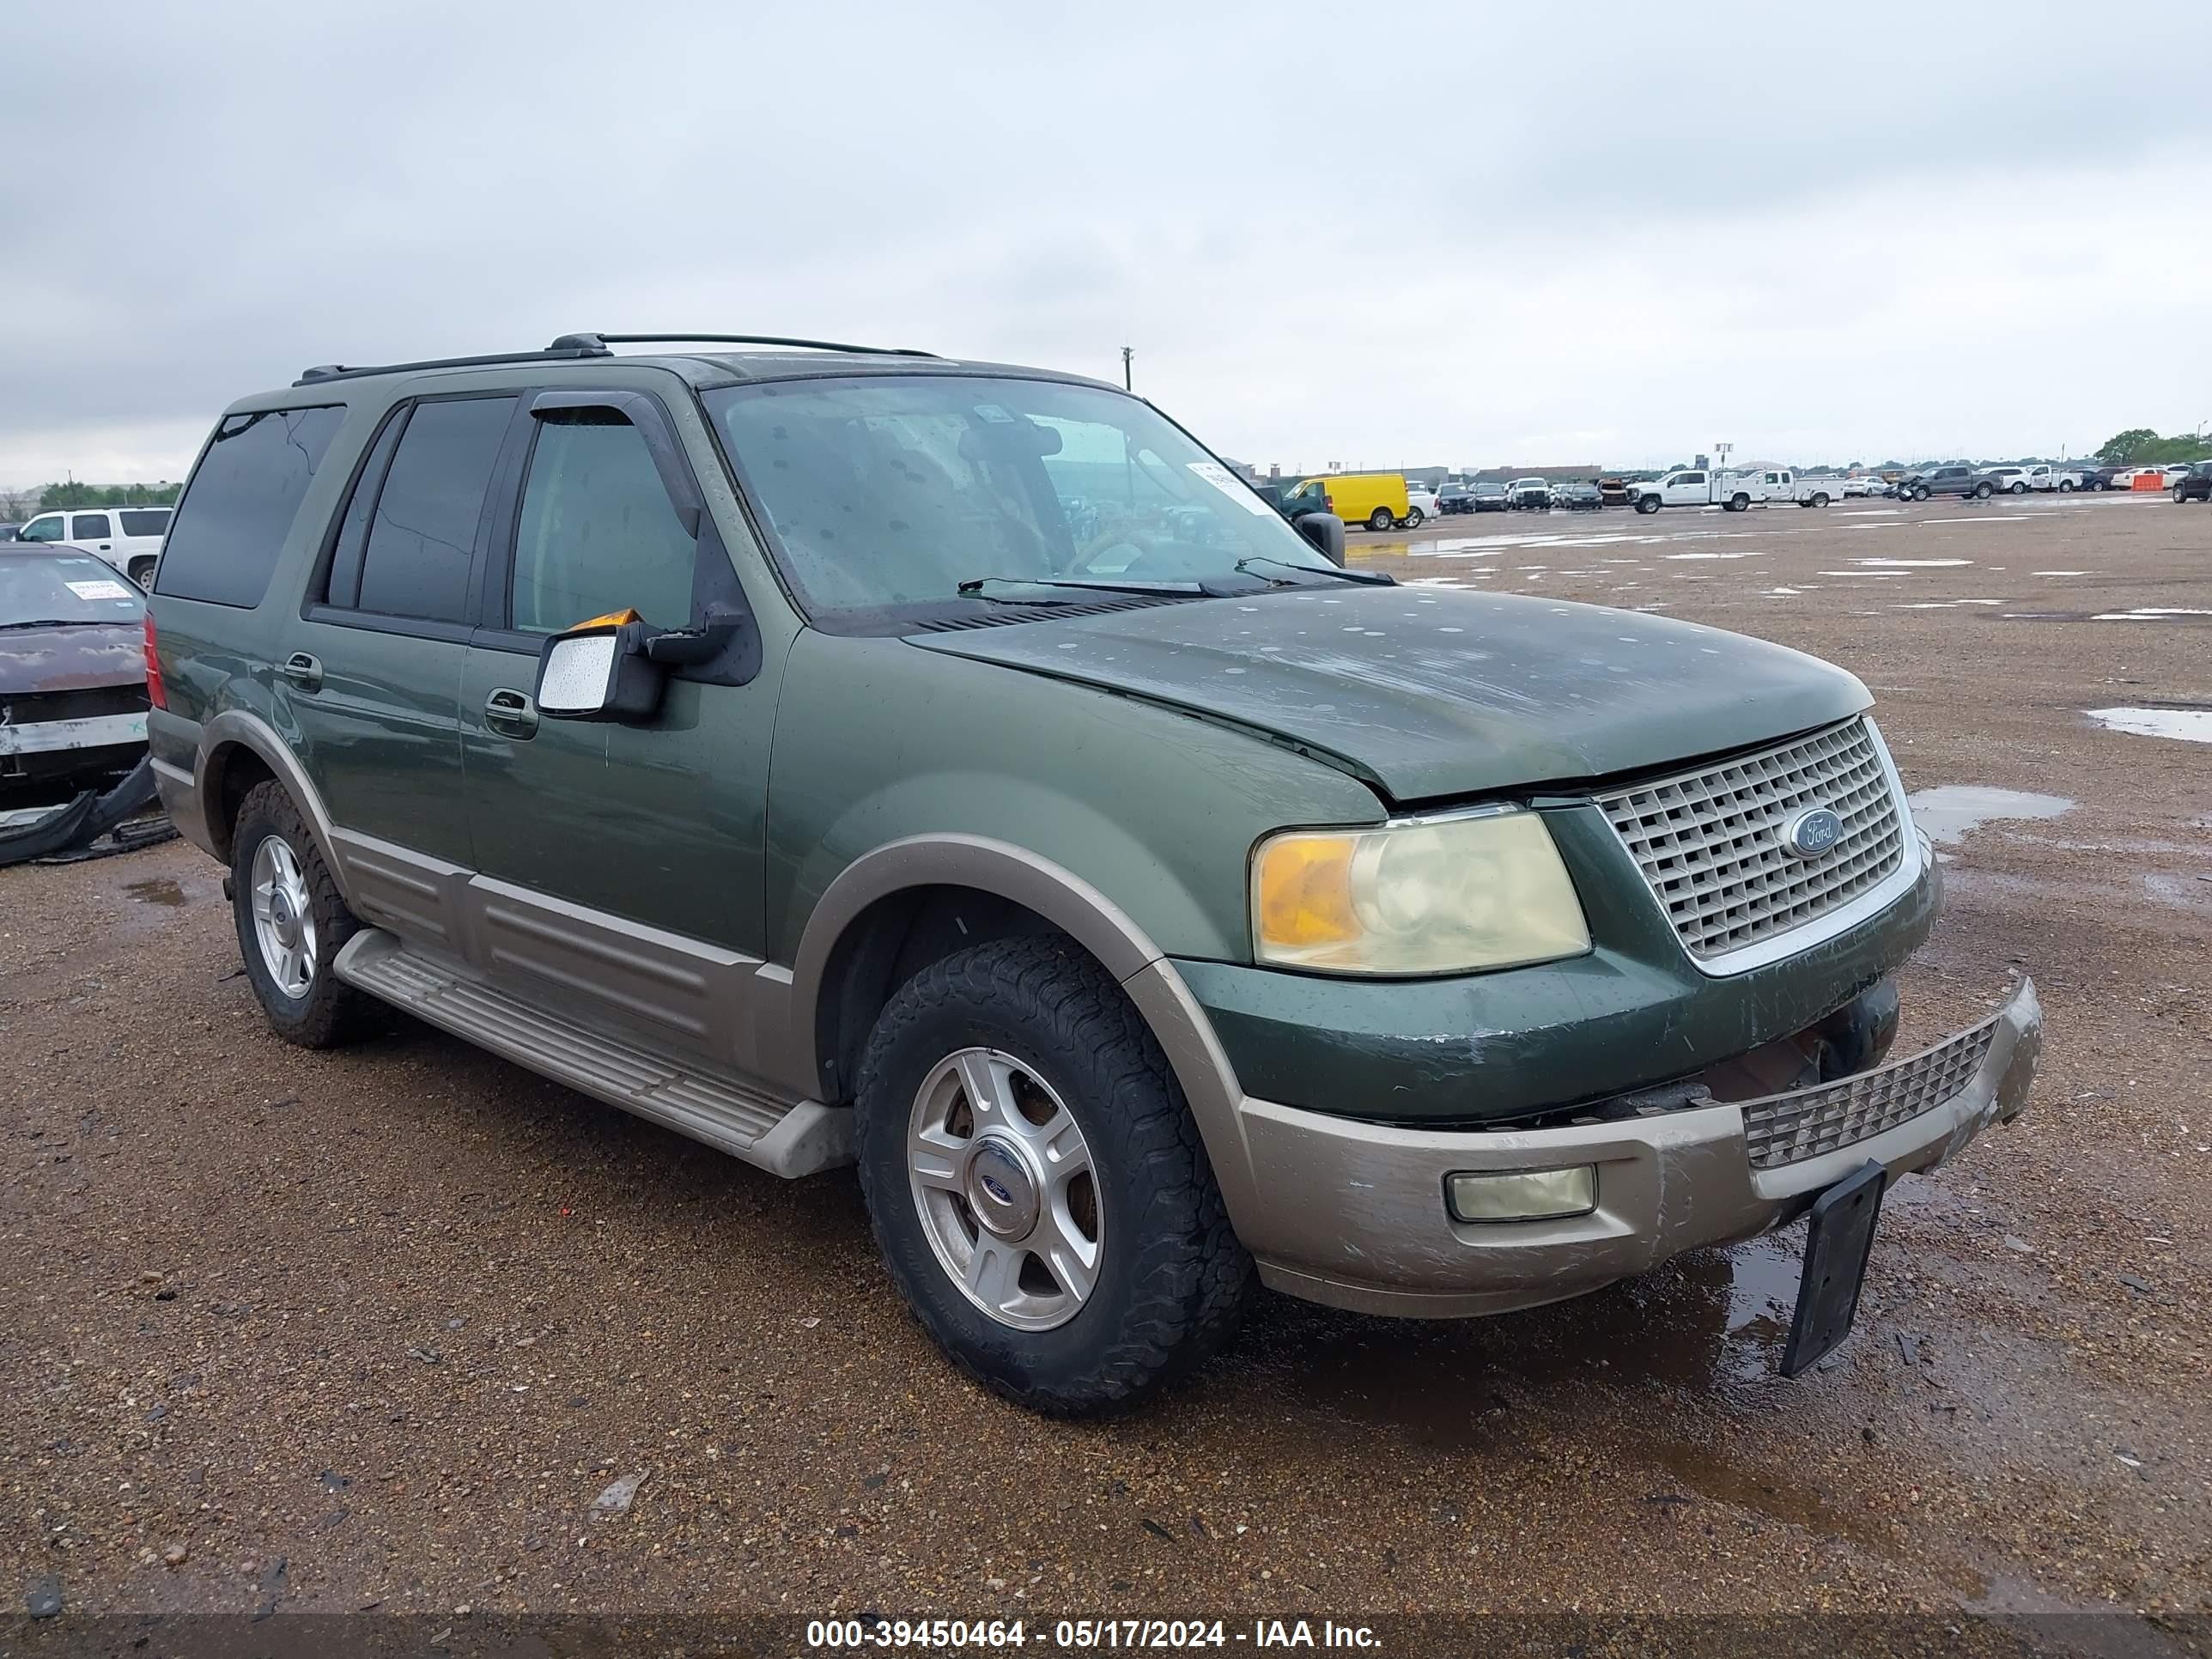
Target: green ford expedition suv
[{"x": 852, "y": 756}]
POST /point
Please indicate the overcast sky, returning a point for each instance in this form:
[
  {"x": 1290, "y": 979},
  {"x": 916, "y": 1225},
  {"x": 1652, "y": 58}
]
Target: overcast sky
[{"x": 1378, "y": 235}]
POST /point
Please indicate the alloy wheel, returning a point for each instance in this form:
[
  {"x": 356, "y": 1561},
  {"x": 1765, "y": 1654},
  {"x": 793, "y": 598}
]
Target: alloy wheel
[
  {"x": 1003, "y": 1181},
  {"x": 284, "y": 917}
]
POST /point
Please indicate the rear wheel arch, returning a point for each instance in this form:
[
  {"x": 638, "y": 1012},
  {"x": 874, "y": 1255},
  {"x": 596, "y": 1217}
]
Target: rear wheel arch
[
  {"x": 232, "y": 771},
  {"x": 238, "y": 739}
]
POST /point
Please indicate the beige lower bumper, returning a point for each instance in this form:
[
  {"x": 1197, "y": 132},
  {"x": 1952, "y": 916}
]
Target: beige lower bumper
[{"x": 1352, "y": 1214}]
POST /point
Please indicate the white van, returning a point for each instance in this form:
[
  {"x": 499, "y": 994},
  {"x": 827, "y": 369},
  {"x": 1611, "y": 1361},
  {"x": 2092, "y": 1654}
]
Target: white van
[{"x": 128, "y": 537}]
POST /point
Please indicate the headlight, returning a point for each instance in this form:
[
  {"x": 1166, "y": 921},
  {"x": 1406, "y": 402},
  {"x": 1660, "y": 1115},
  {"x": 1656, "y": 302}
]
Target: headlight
[{"x": 1483, "y": 891}]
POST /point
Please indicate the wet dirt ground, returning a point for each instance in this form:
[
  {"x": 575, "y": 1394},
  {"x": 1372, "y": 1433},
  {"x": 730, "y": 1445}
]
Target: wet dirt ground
[{"x": 374, "y": 1329}]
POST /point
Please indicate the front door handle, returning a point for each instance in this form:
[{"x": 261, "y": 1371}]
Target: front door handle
[
  {"x": 512, "y": 713},
  {"x": 303, "y": 671}
]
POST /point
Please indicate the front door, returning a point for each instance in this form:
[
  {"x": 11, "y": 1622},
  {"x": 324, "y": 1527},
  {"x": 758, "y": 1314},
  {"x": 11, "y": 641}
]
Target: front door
[{"x": 620, "y": 865}]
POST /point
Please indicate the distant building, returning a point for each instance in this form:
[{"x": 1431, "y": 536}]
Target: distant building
[{"x": 1507, "y": 474}]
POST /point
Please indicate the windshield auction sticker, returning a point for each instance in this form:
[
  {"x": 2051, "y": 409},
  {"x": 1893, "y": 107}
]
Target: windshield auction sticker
[
  {"x": 1230, "y": 485},
  {"x": 99, "y": 590}
]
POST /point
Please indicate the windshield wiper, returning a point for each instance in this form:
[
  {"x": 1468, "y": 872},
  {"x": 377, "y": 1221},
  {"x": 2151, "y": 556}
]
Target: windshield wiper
[
  {"x": 972, "y": 587},
  {"x": 51, "y": 622},
  {"x": 1364, "y": 578}
]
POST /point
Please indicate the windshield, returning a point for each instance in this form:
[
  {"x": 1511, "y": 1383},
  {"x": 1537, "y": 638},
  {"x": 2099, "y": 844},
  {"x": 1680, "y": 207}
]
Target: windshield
[
  {"x": 891, "y": 492},
  {"x": 64, "y": 588}
]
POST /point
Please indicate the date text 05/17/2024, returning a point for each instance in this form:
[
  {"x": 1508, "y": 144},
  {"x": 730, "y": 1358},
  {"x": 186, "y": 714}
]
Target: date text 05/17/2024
[{"x": 1086, "y": 1634}]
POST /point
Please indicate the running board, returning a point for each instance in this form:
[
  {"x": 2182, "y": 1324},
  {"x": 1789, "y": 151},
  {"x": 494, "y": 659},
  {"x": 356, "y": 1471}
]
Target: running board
[{"x": 683, "y": 1094}]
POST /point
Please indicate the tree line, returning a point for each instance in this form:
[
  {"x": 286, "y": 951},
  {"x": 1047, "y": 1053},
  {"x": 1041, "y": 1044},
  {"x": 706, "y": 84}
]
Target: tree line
[
  {"x": 2141, "y": 446},
  {"x": 16, "y": 505}
]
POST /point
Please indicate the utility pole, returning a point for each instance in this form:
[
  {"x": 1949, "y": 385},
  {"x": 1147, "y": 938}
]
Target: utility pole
[{"x": 1128, "y": 352}]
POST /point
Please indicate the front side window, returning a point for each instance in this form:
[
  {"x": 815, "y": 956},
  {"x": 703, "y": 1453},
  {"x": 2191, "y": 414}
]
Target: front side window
[
  {"x": 48, "y": 529},
  {"x": 597, "y": 533},
  {"x": 423, "y": 531},
  {"x": 891, "y": 492},
  {"x": 90, "y": 527}
]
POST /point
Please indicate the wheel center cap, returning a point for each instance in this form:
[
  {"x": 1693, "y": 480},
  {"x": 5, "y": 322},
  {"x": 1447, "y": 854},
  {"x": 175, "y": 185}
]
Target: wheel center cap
[
  {"x": 284, "y": 920},
  {"x": 1001, "y": 1189}
]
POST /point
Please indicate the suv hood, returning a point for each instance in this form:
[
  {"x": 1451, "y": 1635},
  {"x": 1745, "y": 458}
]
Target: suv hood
[{"x": 1428, "y": 694}]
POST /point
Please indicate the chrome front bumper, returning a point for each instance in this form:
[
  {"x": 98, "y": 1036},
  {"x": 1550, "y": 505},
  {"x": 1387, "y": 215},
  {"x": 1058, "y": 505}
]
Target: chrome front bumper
[{"x": 1352, "y": 1214}]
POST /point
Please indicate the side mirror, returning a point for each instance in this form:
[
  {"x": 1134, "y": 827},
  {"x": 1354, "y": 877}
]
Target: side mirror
[
  {"x": 1325, "y": 531},
  {"x": 600, "y": 671}
]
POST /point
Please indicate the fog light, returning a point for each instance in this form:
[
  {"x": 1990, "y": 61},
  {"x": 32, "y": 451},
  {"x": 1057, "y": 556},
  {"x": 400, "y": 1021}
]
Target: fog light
[{"x": 1523, "y": 1195}]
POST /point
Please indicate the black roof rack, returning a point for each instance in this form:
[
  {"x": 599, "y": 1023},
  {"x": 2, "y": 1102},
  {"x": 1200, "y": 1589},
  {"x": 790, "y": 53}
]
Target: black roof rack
[
  {"x": 603, "y": 341},
  {"x": 567, "y": 346},
  {"x": 572, "y": 346}
]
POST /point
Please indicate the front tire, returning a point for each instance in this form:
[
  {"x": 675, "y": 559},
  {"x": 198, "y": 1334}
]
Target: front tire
[
  {"x": 1647, "y": 503},
  {"x": 291, "y": 923},
  {"x": 1036, "y": 1183},
  {"x": 2020, "y": 489},
  {"x": 1920, "y": 493},
  {"x": 2179, "y": 497}
]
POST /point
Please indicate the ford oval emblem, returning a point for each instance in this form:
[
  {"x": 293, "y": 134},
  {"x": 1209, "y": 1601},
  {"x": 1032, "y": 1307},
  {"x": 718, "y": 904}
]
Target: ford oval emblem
[{"x": 1812, "y": 833}]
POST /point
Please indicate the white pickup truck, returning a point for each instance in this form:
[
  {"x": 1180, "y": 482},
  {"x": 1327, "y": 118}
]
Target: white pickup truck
[
  {"x": 2019, "y": 480},
  {"x": 1733, "y": 492}
]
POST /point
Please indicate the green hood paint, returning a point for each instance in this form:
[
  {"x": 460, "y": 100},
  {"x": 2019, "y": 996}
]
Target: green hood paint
[{"x": 1429, "y": 694}]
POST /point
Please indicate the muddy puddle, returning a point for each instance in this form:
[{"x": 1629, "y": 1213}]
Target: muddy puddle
[
  {"x": 157, "y": 890},
  {"x": 2190, "y": 722},
  {"x": 1950, "y": 812}
]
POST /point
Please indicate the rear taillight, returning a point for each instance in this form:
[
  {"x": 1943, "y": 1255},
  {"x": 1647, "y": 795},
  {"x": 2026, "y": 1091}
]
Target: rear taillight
[{"x": 156, "y": 694}]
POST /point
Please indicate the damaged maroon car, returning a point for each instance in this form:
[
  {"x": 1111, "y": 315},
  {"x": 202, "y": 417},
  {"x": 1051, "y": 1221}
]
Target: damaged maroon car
[{"x": 72, "y": 691}]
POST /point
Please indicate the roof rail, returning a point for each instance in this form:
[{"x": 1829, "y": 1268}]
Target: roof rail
[
  {"x": 567, "y": 346},
  {"x": 603, "y": 341}
]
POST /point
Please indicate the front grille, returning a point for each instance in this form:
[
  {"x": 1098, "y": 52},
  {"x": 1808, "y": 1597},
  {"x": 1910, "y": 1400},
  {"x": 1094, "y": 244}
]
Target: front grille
[
  {"x": 89, "y": 702},
  {"x": 1790, "y": 1128},
  {"x": 1710, "y": 842}
]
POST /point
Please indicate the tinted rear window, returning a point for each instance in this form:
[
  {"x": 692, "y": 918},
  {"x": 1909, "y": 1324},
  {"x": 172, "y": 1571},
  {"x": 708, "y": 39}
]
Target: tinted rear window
[
  {"x": 146, "y": 522},
  {"x": 240, "y": 505},
  {"x": 90, "y": 527},
  {"x": 424, "y": 532}
]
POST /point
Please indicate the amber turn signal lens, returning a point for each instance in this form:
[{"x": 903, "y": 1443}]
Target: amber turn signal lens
[{"x": 1303, "y": 885}]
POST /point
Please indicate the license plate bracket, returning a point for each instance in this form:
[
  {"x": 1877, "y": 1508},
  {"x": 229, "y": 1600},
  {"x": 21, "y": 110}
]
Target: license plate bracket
[{"x": 1838, "y": 1240}]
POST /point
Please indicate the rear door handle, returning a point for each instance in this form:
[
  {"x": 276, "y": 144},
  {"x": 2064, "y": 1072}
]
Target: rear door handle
[
  {"x": 512, "y": 713},
  {"x": 303, "y": 671}
]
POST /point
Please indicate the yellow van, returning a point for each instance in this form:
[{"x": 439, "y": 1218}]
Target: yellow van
[{"x": 1376, "y": 500}]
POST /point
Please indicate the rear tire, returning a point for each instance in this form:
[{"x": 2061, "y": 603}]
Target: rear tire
[
  {"x": 291, "y": 923},
  {"x": 1739, "y": 503},
  {"x": 1379, "y": 519},
  {"x": 1820, "y": 498},
  {"x": 1414, "y": 519},
  {"x": 1984, "y": 491},
  {"x": 2066, "y": 486},
  {"x": 141, "y": 570},
  {"x": 1061, "y": 1061}
]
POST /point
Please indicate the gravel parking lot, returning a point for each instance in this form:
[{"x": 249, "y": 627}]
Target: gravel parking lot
[{"x": 376, "y": 1328}]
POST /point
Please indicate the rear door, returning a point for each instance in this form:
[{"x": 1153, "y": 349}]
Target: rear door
[
  {"x": 371, "y": 675},
  {"x": 621, "y": 865}
]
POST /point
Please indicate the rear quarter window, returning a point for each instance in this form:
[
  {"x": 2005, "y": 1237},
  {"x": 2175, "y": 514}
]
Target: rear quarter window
[
  {"x": 145, "y": 521},
  {"x": 238, "y": 507}
]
